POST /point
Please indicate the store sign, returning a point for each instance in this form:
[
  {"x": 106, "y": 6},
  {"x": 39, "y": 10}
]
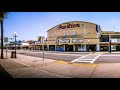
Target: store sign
[
  {"x": 70, "y": 26},
  {"x": 64, "y": 41},
  {"x": 77, "y": 40}
]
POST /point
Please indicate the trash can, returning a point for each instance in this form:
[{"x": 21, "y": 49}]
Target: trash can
[{"x": 13, "y": 54}]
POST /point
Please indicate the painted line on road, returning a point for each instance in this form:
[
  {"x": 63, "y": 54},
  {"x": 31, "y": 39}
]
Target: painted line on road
[
  {"x": 79, "y": 58},
  {"x": 42, "y": 70},
  {"x": 95, "y": 58},
  {"x": 84, "y": 56},
  {"x": 75, "y": 64},
  {"x": 110, "y": 55}
]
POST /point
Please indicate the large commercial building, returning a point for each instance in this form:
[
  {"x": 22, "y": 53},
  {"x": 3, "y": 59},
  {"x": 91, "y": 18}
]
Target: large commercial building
[
  {"x": 79, "y": 36},
  {"x": 74, "y": 36}
]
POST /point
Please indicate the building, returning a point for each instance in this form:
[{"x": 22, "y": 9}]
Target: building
[
  {"x": 106, "y": 37},
  {"x": 78, "y": 36},
  {"x": 74, "y": 36}
]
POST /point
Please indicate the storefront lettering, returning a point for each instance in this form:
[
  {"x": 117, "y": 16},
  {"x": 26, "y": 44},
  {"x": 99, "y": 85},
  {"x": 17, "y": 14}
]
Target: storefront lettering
[{"x": 70, "y": 26}]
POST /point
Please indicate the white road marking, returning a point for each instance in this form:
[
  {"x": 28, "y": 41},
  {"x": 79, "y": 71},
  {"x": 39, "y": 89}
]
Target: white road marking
[
  {"x": 79, "y": 58},
  {"x": 83, "y": 59},
  {"x": 74, "y": 60},
  {"x": 95, "y": 58},
  {"x": 41, "y": 69},
  {"x": 84, "y": 56},
  {"x": 110, "y": 55}
]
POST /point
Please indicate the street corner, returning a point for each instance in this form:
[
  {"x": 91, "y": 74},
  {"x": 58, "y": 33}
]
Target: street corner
[{"x": 76, "y": 64}]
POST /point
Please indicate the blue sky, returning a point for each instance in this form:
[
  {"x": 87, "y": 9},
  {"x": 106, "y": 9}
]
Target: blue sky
[{"x": 29, "y": 25}]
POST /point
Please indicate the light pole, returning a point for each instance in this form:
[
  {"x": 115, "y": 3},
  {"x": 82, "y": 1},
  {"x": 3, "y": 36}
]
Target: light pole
[
  {"x": 110, "y": 46},
  {"x": 15, "y": 35},
  {"x": 43, "y": 39},
  {"x": 2, "y": 16}
]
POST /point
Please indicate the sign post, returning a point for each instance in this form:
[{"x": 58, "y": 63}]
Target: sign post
[
  {"x": 6, "y": 40},
  {"x": 43, "y": 45},
  {"x": 110, "y": 47}
]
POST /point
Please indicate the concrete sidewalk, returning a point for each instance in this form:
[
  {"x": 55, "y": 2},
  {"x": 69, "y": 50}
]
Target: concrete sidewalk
[{"x": 34, "y": 67}]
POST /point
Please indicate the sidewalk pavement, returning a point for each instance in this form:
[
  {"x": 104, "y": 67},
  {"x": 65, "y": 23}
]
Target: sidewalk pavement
[{"x": 34, "y": 67}]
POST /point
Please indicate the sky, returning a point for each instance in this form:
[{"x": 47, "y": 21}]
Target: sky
[{"x": 30, "y": 25}]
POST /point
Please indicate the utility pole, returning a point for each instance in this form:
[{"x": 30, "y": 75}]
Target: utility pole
[
  {"x": 2, "y": 39},
  {"x": 2, "y": 17},
  {"x": 110, "y": 47}
]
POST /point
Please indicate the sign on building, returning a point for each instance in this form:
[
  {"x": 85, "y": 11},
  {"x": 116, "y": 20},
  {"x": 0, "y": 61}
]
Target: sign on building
[
  {"x": 5, "y": 39},
  {"x": 77, "y": 40}
]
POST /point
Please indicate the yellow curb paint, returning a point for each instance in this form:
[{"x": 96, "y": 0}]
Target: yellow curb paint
[{"x": 75, "y": 64}]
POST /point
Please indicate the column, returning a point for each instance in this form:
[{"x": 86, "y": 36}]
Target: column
[
  {"x": 97, "y": 47},
  {"x": 73, "y": 47},
  {"x": 64, "y": 47},
  {"x": 55, "y": 47},
  {"x": 85, "y": 47},
  {"x": 48, "y": 47}
]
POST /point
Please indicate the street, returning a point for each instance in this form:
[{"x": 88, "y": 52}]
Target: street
[{"x": 104, "y": 57}]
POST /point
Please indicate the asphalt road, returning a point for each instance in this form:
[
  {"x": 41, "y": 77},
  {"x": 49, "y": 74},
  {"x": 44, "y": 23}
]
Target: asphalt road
[
  {"x": 63, "y": 56},
  {"x": 70, "y": 56}
]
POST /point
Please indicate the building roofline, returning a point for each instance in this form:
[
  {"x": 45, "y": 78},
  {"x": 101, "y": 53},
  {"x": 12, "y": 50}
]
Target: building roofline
[{"x": 71, "y": 21}]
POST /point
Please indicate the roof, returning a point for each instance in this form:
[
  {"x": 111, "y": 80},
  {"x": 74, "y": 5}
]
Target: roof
[{"x": 72, "y": 21}]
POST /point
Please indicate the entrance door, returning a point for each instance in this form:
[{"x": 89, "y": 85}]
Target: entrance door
[
  {"x": 68, "y": 47},
  {"x": 91, "y": 47}
]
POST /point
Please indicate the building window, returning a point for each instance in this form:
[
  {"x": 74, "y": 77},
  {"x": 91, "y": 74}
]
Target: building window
[{"x": 104, "y": 38}]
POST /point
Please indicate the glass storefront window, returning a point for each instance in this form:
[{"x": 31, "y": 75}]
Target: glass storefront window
[
  {"x": 104, "y": 38},
  {"x": 113, "y": 47}
]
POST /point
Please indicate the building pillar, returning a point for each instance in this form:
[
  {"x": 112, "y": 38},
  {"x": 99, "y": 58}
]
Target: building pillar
[
  {"x": 48, "y": 47},
  {"x": 97, "y": 47},
  {"x": 73, "y": 47},
  {"x": 55, "y": 47},
  {"x": 64, "y": 47},
  {"x": 85, "y": 47}
]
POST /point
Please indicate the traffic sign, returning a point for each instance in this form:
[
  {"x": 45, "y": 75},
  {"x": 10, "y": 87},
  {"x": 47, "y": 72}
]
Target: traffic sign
[{"x": 5, "y": 39}]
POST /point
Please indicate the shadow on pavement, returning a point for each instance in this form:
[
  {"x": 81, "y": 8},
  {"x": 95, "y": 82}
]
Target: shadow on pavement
[{"x": 4, "y": 74}]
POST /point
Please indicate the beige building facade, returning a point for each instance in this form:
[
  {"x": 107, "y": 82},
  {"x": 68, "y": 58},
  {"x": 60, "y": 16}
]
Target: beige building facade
[
  {"x": 78, "y": 36},
  {"x": 74, "y": 36}
]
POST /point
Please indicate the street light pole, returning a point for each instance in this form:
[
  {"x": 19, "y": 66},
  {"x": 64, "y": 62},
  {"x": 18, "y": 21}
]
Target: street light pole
[
  {"x": 2, "y": 17},
  {"x": 15, "y": 35},
  {"x": 2, "y": 39},
  {"x": 110, "y": 47},
  {"x": 15, "y": 45}
]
